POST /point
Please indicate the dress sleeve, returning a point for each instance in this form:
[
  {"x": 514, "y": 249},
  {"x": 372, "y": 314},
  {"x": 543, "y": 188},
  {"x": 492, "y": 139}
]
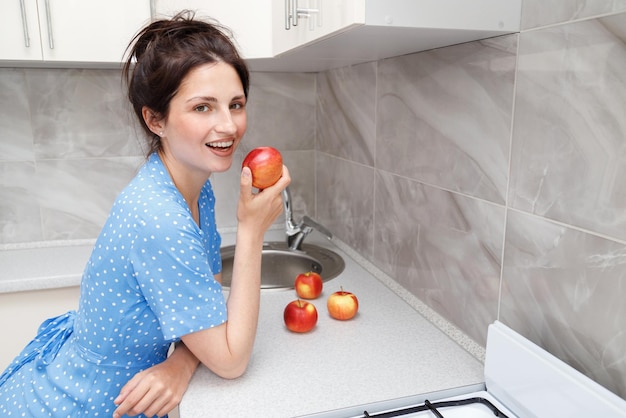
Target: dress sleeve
[{"x": 174, "y": 272}]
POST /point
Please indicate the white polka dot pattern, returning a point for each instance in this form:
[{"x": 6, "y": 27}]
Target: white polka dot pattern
[{"x": 148, "y": 282}]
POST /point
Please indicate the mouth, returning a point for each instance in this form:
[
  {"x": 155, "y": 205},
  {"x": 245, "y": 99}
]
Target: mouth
[{"x": 220, "y": 145}]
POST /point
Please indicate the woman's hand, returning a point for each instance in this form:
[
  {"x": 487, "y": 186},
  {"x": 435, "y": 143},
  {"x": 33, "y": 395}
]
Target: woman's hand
[
  {"x": 259, "y": 211},
  {"x": 157, "y": 390}
]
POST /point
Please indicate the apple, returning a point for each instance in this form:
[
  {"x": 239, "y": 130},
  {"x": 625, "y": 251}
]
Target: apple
[
  {"x": 300, "y": 316},
  {"x": 266, "y": 165},
  {"x": 309, "y": 285},
  {"x": 342, "y": 305}
]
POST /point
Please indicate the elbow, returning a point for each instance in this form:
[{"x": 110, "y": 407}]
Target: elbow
[{"x": 231, "y": 373}]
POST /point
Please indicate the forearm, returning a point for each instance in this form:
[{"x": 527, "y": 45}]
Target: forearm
[
  {"x": 244, "y": 297},
  {"x": 183, "y": 360}
]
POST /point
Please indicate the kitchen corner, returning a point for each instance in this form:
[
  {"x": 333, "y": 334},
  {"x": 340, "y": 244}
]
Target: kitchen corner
[{"x": 389, "y": 350}]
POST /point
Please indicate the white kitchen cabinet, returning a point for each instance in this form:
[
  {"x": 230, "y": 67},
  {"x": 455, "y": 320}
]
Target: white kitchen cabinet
[
  {"x": 357, "y": 31},
  {"x": 57, "y": 31},
  {"x": 19, "y": 31},
  {"x": 23, "y": 312},
  {"x": 250, "y": 21},
  {"x": 300, "y": 22}
]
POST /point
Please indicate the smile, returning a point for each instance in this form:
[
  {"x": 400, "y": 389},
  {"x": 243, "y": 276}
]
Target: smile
[{"x": 223, "y": 144}]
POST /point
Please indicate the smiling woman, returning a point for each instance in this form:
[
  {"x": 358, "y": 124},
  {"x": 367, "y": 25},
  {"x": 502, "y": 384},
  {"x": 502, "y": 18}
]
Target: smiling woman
[{"x": 153, "y": 279}]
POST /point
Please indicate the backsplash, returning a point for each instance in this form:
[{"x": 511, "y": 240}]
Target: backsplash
[
  {"x": 486, "y": 178},
  {"x": 69, "y": 143}
]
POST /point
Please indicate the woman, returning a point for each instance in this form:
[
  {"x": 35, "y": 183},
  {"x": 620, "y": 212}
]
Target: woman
[{"x": 154, "y": 277}]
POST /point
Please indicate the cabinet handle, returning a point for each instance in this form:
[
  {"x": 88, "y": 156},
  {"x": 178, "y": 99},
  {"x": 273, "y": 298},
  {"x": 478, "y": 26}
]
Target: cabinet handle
[
  {"x": 25, "y": 24},
  {"x": 287, "y": 14},
  {"x": 49, "y": 20},
  {"x": 293, "y": 13}
]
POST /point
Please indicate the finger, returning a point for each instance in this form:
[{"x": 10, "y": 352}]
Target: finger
[
  {"x": 135, "y": 401},
  {"x": 246, "y": 182},
  {"x": 127, "y": 388}
]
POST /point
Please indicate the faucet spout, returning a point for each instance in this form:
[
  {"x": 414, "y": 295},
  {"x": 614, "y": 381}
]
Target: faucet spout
[
  {"x": 290, "y": 226},
  {"x": 296, "y": 232}
]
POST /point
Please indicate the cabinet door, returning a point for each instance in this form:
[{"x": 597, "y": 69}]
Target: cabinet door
[
  {"x": 316, "y": 19},
  {"x": 250, "y": 21},
  {"x": 19, "y": 31},
  {"x": 87, "y": 31}
]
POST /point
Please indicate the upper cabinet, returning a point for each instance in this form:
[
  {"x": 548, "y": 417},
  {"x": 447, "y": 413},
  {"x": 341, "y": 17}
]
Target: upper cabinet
[
  {"x": 69, "y": 31},
  {"x": 272, "y": 35},
  {"x": 337, "y": 33},
  {"x": 300, "y": 22},
  {"x": 250, "y": 21}
]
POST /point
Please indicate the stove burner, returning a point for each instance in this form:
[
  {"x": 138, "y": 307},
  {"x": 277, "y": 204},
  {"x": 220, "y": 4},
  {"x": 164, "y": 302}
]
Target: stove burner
[{"x": 433, "y": 407}]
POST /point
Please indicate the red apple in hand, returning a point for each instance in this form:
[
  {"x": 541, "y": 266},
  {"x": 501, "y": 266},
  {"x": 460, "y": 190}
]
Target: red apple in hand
[
  {"x": 300, "y": 316},
  {"x": 266, "y": 165},
  {"x": 309, "y": 285},
  {"x": 342, "y": 305}
]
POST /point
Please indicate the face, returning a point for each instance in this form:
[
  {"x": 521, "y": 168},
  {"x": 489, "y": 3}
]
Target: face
[{"x": 206, "y": 121}]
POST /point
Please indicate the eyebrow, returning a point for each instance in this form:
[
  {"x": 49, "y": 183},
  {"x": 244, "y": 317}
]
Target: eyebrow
[{"x": 213, "y": 99}]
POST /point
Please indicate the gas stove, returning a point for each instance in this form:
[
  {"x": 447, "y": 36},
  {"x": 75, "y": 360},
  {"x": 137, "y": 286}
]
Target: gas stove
[{"x": 521, "y": 380}]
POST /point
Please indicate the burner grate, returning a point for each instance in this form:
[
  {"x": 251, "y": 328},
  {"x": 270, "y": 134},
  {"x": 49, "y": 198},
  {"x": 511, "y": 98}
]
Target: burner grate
[{"x": 435, "y": 406}]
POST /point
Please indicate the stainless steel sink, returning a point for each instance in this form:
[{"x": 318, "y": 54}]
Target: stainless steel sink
[{"x": 280, "y": 265}]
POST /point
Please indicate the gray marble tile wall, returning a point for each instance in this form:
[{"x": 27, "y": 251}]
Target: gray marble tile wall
[
  {"x": 69, "y": 144},
  {"x": 488, "y": 178}
]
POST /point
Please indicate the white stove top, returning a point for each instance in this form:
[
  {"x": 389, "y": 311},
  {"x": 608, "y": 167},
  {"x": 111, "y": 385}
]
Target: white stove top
[{"x": 521, "y": 380}]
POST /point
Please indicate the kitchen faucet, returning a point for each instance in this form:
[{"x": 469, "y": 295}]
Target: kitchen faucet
[{"x": 297, "y": 232}]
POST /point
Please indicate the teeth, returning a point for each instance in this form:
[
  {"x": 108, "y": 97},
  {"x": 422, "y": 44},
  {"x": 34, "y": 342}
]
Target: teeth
[{"x": 224, "y": 144}]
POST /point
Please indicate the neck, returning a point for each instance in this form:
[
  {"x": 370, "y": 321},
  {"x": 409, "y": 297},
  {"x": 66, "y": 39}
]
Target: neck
[{"x": 188, "y": 184}]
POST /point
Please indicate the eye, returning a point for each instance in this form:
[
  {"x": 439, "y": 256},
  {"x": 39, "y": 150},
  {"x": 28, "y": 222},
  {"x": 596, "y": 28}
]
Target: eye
[
  {"x": 237, "y": 105},
  {"x": 202, "y": 108}
]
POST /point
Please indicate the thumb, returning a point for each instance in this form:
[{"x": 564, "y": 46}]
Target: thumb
[{"x": 246, "y": 181}]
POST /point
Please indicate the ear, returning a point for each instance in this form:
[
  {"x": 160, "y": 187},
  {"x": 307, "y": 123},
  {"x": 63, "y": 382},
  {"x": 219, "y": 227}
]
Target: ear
[{"x": 153, "y": 121}]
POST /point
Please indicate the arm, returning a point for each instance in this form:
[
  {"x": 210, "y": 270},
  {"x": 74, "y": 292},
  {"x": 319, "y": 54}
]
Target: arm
[
  {"x": 226, "y": 349},
  {"x": 157, "y": 390}
]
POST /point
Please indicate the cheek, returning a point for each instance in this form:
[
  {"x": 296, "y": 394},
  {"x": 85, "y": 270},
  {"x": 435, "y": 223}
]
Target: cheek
[{"x": 242, "y": 124}]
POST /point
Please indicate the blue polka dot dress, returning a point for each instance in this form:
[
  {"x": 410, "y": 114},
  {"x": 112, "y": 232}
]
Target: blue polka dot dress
[{"x": 148, "y": 282}]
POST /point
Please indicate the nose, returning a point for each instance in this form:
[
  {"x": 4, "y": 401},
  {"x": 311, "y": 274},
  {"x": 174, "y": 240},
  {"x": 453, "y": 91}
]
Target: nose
[{"x": 226, "y": 124}]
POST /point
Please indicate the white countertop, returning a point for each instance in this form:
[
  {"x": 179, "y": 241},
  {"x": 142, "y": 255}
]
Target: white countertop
[
  {"x": 388, "y": 350},
  {"x": 43, "y": 265},
  {"x": 396, "y": 346}
]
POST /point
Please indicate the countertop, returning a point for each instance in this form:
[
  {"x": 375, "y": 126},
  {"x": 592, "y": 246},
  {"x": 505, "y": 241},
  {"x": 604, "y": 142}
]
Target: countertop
[
  {"x": 43, "y": 265},
  {"x": 389, "y": 350},
  {"x": 396, "y": 346}
]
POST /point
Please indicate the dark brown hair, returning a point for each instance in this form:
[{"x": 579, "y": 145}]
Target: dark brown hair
[{"x": 161, "y": 55}]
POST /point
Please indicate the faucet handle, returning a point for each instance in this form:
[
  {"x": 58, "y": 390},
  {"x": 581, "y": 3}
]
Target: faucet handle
[{"x": 307, "y": 221}]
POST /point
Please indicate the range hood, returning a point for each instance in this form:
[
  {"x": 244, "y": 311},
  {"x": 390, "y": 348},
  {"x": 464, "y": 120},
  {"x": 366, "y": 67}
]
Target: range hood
[{"x": 389, "y": 28}]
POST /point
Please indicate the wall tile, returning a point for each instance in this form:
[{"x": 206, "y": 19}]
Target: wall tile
[
  {"x": 564, "y": 290},
  {"x": 345, "y": 201},
  {"x": 16, "y": 134},
  {"x": 281, "y": 111},
  {"x": 20, "y": 219},
  {"x": 81, "y": 113},
  {"x": 76, "y": 195},
  {"x": 545, "y": 12},
  {"x": 444, "y": 116},
  {"x": 569, "y": 154},
  {"x": 346, "y": 112},
  {"x": 443, "y": 247}
]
